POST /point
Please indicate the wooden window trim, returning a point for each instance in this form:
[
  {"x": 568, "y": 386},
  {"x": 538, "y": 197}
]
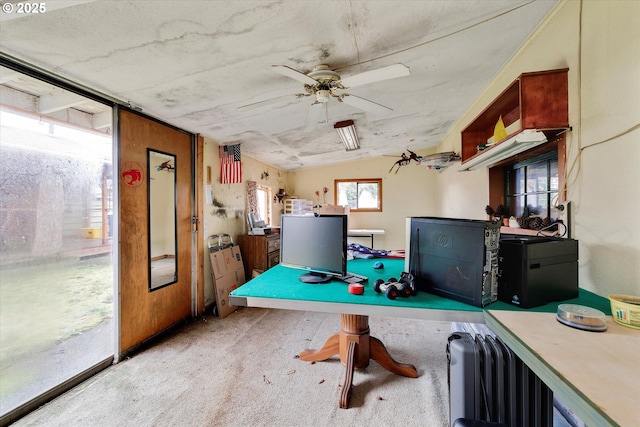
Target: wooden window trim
[{"x": 377, "y": 181}]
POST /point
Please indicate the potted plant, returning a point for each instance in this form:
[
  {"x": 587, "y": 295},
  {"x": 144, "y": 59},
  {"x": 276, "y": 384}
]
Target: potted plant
[{"x": 500, "y": 214}]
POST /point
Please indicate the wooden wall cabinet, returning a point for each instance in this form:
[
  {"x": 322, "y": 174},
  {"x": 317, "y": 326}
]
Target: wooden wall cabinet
[
  {"x": 537, "y": 100},
  {"x": 259, "y": 252}
]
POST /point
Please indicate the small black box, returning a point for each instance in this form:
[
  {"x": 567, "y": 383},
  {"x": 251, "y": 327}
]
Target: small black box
[{"x": 536, "y": 270}]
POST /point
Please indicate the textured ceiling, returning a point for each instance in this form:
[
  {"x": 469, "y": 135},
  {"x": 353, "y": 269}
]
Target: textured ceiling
[{"x": 193, "y": 63}]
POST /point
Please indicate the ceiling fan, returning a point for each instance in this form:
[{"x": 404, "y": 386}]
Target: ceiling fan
[{"x": 324, "y": 83}]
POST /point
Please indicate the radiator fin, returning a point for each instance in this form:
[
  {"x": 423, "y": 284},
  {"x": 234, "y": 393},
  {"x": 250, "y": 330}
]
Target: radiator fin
[{"x": 488, "y": 382}]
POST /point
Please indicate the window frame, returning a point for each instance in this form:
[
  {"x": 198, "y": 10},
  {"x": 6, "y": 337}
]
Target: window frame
[
  {"x": 267, "y": 202},
  {"x": 550, "y": 194},
  {"x": 497, "y": 173},
  {"x": 358, "y": 181}
]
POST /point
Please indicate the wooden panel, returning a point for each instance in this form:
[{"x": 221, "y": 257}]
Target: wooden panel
[
  {"x": 253, "y": 249},
  {"x": 594, "y": 373},
  {"x": 259, "y": 252},
  {"x": 143, "y": 313},
  {"x": 562, "y": 168},
  {"x": 545, "y": 100},
  {"x": 273, "y": 259},
  {"x": 273, "y": 243},
  {"x": 496, "y": 187},
  {"x": 540, "y": 100},
  {"x": 507, "y": 101}
]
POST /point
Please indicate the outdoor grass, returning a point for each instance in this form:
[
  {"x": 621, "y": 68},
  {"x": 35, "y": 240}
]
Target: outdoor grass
[{"x": 43, "y": 305}]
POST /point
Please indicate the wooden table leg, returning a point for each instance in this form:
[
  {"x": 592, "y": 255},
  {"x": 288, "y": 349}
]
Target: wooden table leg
[
  {"x": 330, "y": 348},
  {"x": 356, "y": 347},
  {"x": 380, "y": 354},
  {"x": 347, "y": 384}
]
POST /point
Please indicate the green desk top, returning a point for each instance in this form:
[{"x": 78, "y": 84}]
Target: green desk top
[{"x": 279, "y": 287}]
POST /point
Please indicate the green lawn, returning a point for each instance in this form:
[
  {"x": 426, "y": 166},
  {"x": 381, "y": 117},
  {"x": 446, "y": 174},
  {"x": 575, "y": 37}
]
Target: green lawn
[{"x": 43, "y": 305}]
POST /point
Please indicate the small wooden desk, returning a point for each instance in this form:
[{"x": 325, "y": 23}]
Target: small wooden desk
[{"x": 363, "y": 232}]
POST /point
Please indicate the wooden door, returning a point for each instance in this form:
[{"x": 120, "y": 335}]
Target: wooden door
[{"x": 145, "y": 312}]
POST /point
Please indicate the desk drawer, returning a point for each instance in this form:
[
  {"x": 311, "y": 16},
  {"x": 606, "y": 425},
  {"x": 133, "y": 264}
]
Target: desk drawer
[
  {"x": 273, "y": 244},
  {"x": 259, "y": 252},
  {"x": 273, "y": 259}
]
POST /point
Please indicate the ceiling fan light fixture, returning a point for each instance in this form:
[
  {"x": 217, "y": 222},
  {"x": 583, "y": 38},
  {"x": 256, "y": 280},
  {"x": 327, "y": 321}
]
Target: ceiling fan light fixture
[
  {"x": 323, "y": 74},
  {"x": 347, "y": 131},
  {"x": 323, "y": 96}
]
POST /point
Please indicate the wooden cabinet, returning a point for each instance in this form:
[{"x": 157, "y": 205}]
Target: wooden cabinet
[
  {"x": 537, "y": 100},
  {"x": 259, "y": 252}
]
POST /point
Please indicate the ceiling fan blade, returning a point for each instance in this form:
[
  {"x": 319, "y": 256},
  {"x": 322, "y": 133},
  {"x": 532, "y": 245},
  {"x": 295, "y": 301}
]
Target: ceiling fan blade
[
  {"x": 293, "y": 74},
  {"x": 365, "y": 104},
  {"x": 258, "y": 104},
  {"x": 384, "y": 73},
  {"x": 313, "y": 116},
  {"x": 269, "y": 101}
]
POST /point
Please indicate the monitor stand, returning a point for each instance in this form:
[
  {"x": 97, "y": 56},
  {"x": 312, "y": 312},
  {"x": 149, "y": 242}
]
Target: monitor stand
[{"x": 315, "y": 278}]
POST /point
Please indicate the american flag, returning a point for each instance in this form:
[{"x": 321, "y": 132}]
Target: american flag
[{"x": 230, "y": 164}]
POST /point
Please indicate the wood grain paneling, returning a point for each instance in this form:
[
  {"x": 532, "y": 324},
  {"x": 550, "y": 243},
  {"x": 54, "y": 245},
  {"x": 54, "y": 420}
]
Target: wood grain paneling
[{"x": 143, "y": 313}]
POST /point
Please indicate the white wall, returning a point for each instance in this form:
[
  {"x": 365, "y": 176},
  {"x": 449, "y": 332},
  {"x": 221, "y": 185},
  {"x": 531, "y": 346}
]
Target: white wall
[
  {"x": 602, "y": 51},
  {"x": 410, "y": 192},
  {"x": 607, "y": 150},
  {"x": 227, "y": 214}
]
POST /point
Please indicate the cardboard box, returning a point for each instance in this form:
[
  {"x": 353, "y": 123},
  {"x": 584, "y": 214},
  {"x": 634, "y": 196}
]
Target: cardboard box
[
  {"x": 333, "y": 210},
  {"x": 227, "y": 272}
]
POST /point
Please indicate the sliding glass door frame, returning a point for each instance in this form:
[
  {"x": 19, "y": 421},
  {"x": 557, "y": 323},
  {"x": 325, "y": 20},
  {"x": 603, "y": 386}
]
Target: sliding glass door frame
[{"x": 15, "y": 413}]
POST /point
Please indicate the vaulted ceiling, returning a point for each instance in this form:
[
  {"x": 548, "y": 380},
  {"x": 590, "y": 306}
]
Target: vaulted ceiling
[{"x": 206, "y": 66}]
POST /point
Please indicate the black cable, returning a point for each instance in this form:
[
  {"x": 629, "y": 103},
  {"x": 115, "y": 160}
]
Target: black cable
[{"x": 560, "y": 236}]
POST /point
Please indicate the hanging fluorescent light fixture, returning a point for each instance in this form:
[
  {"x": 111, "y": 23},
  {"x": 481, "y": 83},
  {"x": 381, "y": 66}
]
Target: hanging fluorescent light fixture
[
  {"x": 523, "y": 141},
  {"x": 347, "y": 131}
]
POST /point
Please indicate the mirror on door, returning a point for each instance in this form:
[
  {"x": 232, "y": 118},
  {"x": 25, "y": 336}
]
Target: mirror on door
[{"x": 163, "y": 267}]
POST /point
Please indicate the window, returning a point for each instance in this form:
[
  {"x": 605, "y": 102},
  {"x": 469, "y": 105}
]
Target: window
[
  {"x": 532, "y": 187},
  {"x": 361, "y": 195},
  {"x": 263, "y": 196},
  {"x": 56, "y": 199},
  {"x": 534, "y": 180}
]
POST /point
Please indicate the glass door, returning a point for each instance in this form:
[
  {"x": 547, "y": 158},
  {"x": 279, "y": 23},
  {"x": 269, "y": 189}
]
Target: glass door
[{"x": 56, "y": 235}]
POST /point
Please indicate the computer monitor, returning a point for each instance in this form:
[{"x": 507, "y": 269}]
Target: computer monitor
[{"x": 317, "y": 244}]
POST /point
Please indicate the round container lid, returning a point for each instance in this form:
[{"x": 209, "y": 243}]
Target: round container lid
[{"x": 581, "y": 317}]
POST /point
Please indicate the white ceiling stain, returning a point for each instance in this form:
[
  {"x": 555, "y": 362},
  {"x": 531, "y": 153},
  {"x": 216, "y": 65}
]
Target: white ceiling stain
[{"x": 193, "y": 63}]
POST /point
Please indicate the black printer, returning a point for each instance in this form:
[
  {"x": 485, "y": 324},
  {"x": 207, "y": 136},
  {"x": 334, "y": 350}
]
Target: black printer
[{"x": 535, "y": 270}]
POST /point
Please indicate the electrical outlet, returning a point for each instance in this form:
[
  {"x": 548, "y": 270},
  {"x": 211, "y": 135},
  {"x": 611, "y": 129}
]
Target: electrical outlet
[{"x": 564, "y": 215}]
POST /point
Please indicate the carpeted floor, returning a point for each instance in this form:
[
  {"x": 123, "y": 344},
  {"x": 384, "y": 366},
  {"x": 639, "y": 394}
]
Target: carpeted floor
[{"x": 243, "y": 370}]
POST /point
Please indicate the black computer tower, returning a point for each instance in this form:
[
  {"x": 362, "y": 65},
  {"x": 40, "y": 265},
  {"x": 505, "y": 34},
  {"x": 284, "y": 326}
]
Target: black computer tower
[
  {"x": 537, "y": 270},
  {"x": 454, "y": 258}
]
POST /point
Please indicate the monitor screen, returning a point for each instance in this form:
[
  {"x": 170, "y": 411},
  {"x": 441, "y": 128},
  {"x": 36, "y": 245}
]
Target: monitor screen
[{"x": 317, "y": 244}]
